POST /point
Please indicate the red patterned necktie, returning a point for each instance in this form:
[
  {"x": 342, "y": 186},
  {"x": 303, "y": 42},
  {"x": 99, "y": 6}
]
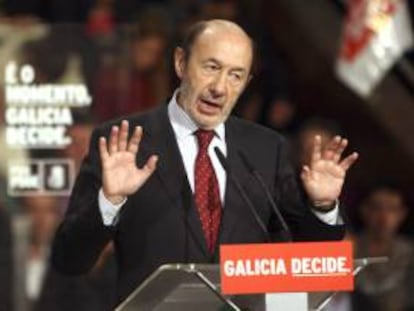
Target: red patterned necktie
[{"x": 206, "y": 190}]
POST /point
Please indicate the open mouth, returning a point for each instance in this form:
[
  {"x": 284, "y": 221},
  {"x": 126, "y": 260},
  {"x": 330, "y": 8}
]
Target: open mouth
[{"x": 209, "y": 107}]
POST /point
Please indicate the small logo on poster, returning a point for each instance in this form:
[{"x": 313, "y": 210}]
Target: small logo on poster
[
  {"x": 41, "y": 177},
  {"x": 56, "y": 176},
  {"x": 24, "y": 177}
]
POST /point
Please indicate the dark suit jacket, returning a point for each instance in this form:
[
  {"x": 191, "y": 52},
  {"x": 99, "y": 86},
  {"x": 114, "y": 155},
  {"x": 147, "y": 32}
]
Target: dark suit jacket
[
  {"x": 94, "y": 291},
  {"x": 159, "y": 224}
]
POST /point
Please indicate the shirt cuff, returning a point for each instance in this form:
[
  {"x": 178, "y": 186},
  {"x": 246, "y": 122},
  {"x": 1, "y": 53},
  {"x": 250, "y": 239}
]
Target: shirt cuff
[
  {"x": 331, "y": 217},
  {"x": 108, "y": 210}
]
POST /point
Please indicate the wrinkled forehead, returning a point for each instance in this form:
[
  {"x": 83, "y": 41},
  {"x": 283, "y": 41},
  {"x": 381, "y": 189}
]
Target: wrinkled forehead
[{"x": 226, "y": 45}]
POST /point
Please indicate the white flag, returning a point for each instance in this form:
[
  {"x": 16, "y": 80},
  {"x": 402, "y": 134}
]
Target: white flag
[{"x": 376, "y": 34}]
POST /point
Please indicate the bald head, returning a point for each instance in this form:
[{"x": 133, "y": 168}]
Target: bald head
[
  {"x": 213, "y": 27},
  {"x": 217, "y": 25}
]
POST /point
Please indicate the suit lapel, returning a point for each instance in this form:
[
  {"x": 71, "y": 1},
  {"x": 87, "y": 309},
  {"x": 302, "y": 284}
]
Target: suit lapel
[{"x": 172, "y": 174}]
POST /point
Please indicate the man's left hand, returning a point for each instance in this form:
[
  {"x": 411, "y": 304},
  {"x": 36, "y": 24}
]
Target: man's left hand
[{"x": 324, "y": 177}]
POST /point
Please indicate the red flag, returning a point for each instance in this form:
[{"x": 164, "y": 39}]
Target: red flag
[{"x": 376, "y": 34}]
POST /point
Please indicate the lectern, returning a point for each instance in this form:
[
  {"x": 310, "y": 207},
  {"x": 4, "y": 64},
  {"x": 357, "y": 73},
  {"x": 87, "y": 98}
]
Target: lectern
[{"x": 196, "y": 287}]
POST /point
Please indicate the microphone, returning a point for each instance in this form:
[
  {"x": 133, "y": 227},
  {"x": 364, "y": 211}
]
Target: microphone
[
  {"x": 242, "y": 193},
  {"x": 287, "y": 234}
]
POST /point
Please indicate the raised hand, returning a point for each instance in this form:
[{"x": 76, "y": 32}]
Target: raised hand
[
  {"x": 120, "y": 174},
  {"x": 324, "y": 177}
]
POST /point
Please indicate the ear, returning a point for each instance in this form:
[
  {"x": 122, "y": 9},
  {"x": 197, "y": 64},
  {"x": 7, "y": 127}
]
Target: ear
[
  {"x": 246, "y": 83},
  {"x": 249, "y": 78},
  {"x": 179, "y": 62}
]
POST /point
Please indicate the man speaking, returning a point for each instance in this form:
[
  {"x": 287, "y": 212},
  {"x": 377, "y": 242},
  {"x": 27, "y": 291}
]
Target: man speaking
[{"x": 156, "y": 185}]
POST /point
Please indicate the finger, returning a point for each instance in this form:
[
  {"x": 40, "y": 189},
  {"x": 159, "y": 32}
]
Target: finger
[
  {"x": 123, "y": 135},
  {"x": 113, "y": 140},
  {"x": 133, "y": 144},
  {"x": 150, "y": 166},
  {"x": 305, "y": 175},
  {"x": 349, "y": 161},
  {"x": 338, "y": 153},
  {"x": 103, "y": 149},
  {"x": 317, "y": 147},
  {"x": 330, "y": 149},
  {"x": 333, "y": 143}
]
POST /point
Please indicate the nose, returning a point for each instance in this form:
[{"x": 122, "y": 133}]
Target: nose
[{"x": 218, "y": 85}]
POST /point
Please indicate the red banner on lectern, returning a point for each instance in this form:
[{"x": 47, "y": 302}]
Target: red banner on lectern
[{"x": 292, "y": 267}]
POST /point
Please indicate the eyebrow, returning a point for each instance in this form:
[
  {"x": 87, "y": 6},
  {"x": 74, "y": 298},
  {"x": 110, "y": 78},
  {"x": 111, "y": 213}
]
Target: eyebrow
[{"x": 241, "y": 69}]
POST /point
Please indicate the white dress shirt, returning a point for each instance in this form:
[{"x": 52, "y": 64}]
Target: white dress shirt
[{"x": 184, "y": 129}]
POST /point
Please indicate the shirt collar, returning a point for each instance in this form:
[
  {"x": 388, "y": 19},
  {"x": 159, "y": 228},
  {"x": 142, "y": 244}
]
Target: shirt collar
[{"x": 182, "y": 123}]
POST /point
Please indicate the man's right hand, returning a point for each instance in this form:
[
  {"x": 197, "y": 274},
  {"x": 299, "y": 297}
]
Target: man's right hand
[{"x": 120, "y": 174}]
